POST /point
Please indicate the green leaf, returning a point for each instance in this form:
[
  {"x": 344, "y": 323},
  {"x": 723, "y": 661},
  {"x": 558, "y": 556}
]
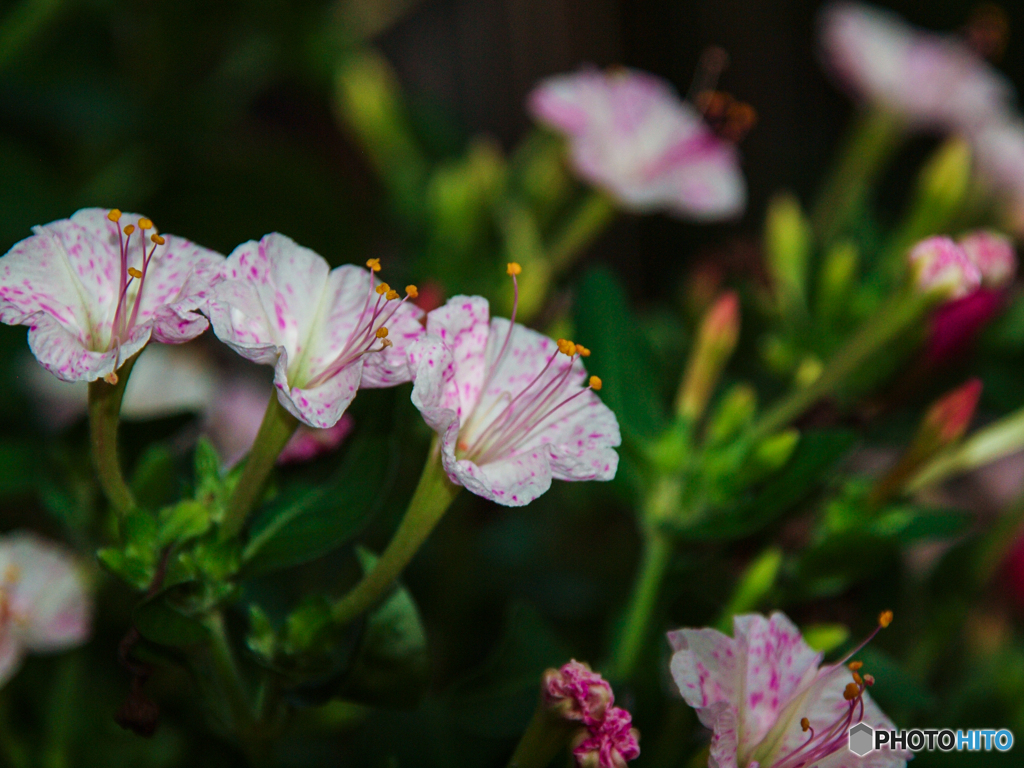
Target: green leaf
[
  {"x": 207, "y": 464},
  {"x": 160, "y": 623},
  {"x": 185, "y": 520},
  {"x": 154, "y": 481},
  {"x": 305, "y": 523},
  {"x": 605, "y": 325},
  {"x": 908, "y": 525},
  {"x": 392, "y": 664}
]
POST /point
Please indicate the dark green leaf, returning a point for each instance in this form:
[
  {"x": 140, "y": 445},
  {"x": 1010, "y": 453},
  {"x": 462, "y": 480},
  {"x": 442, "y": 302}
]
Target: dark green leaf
[
  {"x": 154, "y": 481},
  {"x": 305, "y": 523},
  {"x": 160, "y": 623},
  {"x": 604, "y": 323}
]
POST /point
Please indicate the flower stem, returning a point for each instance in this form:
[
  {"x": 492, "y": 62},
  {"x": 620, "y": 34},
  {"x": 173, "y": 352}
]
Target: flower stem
[
  {"x": 657, "y": 555},
  {"x": 276, "y": 429},
  {"x": 104, "y": 414},
  {"x": 885, "y": 326},
  {"x": 545, "y": 736},
  {"x": 584, "y": 224},
  {"x": 873, "y": 139},
  {"x": 433, "y": 495}
]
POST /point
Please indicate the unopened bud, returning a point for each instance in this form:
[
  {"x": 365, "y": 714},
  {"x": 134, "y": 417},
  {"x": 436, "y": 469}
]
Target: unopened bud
[
  {"x": 994, "y": 256},
  {"x": 949, "y": 417},
  {"x": 945, "y": 179},
  {"x": 773, "y": 452},
  {"x": 575, "y": 692},
  {"x": 940, "y": 266},
  {"x": 734, "y": 412},
  {"x": 715, "y": 343},
  {"x": 609, "y": 744},
  {"x": 788, "y": 245}
]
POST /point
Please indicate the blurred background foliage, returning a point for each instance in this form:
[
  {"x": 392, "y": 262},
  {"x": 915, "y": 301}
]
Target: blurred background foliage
[{"x": 227, "y": 120}]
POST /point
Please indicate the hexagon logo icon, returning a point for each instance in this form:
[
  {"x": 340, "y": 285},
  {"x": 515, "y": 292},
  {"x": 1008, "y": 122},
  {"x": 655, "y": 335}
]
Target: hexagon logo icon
[{"x": 862, "y": 739}]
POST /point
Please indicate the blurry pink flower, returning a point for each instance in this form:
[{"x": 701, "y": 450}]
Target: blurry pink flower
[
  {"x": 44, "y": 606},
  {"x": 327, "y": 332},
  {"x": 956, "y": 324},
  {"x": 769, "y": 702},
  {"x": 928, "y": 80},
  {"x": 999, "y": 153},
  {"x": 513, "y": 408},
  {"x": 610, "y": 743},
  {"x": 994, "y": 256},
  {"x": 94, "y": 289},
  {"x": 940, "y": 266},
  {"x": 630, "y": 134},
  {"x": 577, "y": 693}
]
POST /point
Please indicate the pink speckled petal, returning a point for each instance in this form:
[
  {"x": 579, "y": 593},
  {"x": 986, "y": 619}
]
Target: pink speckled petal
[
  {"x": 63, "y": 355},
  {"x": 434, "y": 390},
  {"x": 320, "y": 406},
  {"x": 51, "y": 608},
  {"x": 511, "y": 482},
  {"x": 707, "y": 667},
  {"x": 463, "y": 325},
  {"x": 778, "y": 664},
  {"x": 391, "y": 367}
]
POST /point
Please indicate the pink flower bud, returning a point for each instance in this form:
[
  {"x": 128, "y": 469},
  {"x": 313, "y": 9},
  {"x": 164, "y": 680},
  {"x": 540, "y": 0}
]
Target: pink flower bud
[
  {"x": 610, "y": 744},
  {"x": 949, "y": 417},
  {"x": 577, "y": 693},
  {"x": 956, "y": 324},
  {"x": 940, "y": 266},
  {"x": 993, "y": 255}
]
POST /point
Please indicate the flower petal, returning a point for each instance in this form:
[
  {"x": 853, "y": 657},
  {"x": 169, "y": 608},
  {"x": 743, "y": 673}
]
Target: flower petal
[
  {"x": 320, "y": 406},
  {"x": 63, "y": 355},
  {"x": 463, "y": 325},
  {"x": 513, "y": 481}
]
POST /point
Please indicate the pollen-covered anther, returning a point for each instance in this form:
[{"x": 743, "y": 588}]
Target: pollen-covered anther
[
  {"x": 137, "y": 274},
  {"x": 382, "y": 289},
  {"x": 373, "y": 265},
  {"x": 853, "y": 666},
  {"x": 582, "y": 351},
  {"x": 382, "y": 332},
  {"x": 514, "y": 268},
  {"x": 145, "y": 224},
  {"x": 391, "y": 295},
  {"x": 566, "y": 347},
  {"x": 858, "y": 679},
  {"x": 129, "y": 229},
  {"x": 114, "y": 215},
  {"x": 805, "y": 724},
  {"x": 157, "y": 239},
  {"x": 851, "y": 692},
  {"x": 885, "y": 619},
  {"x": 412, "y": 291},
  {"x": 595, "y": 383}
]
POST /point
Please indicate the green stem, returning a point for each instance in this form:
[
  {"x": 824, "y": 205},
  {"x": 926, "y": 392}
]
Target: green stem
[
  {"x": 61, "y": 712},
  {"x": 657, "y": 555},
  {"x": 545, "y": 736},
  {"x": 276, "y": 429},
  {"x": 885, "y": 326},
  {"x": 104, "y": 415},
  {"x": 14, "y": 751},
  {"x": 583, "y": 226},
  {"x": 871, "y": 142},
  {"x": 229, "y": 678},
  {"x": 429, "y": 502}
]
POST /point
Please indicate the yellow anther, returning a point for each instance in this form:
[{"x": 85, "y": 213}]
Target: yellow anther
[
  {"x": 412, "y": 291},
  {"x": 595, "y": 383},
  {"x": 858, "y": 679},
  {"x": 805, "y": 723},
  {"x": 114, "y": 215},
  {"x": 373, "y": 264},
  {"x": 514, "y": 268},
  {"x": 392, "y": 295},
  {"x": 582, "y": 351},
  {"x": 157, "y": 239},
  {"x": 855, "y": 665},
  {"x": 145, "y": 224},
  {"x": 110, "y": 378},
  {"x": 566, "y": 347},
  {"x": 129, "y": 229},
  {"x": 852, "y": 691},
  {"x": 382, "y": 289},
  {"x": 137, "y": 274},
  {"x": 382, "y": 332},
  {"x": 885, "y": 619}
]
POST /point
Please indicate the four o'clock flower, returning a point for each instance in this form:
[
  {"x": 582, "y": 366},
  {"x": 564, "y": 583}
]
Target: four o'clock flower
[
  {"x": 95, "y": 288},
  {"x": 768, "y": 700},
  {"x": 512, "y": 407},
  {"x": 327, "y": 332},
  {"x": 928, "y": 80},
  {"x": 940, "y": 266},
  {"x": 44, "y": 604},
  {"x": 631, "y": 135}
]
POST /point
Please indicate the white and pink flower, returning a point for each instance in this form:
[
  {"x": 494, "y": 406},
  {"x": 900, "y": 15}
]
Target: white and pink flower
[
  {"x": 929, "y": 80},
  {"x": 940, "y": 266},
  {"x": 576, "y": 692},
  {"x": 610, "y": 743},
  {"x": 769, "y": 701},
  {"x": 513, "y": 408},
  {"x": 327, "y": 332},
  {"x": 44, "y": 604},
  {"x": 95, "y": 288},
  {"x": 630, "y": 134}
]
